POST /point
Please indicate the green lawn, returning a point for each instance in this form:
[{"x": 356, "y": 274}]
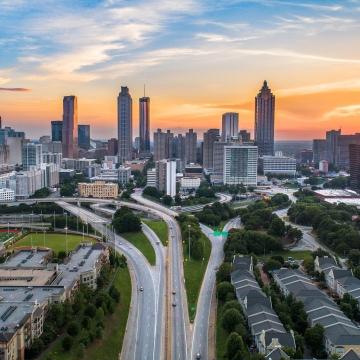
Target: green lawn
[
  {"x": 110, "y": 345},
  {"x": 194, "y": 271},
  {"x": 139, "y": 240},
  {"x": 56, "y": 242},
  {"x": 297, "y": 255},
  {"x": 160, "y": 229},
  {"x": 221, "y": 334},
  {"x": 5, "y": 236}
]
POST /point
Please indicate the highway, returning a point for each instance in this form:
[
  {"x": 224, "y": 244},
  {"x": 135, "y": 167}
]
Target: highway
[
  {"x": 222, "y": 198},
  {"x": 200, "y": 338},
  {"x": 143, "y": 341},
  {"x": 179, "y": 313}
]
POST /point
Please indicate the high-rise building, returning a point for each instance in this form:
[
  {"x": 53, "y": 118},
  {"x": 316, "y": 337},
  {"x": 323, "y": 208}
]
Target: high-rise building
[
  {"x": 230, "y": 126},
  {"x": 264, "y": 121},
  {"x": 144, "y": 125},
  {"x": 210, "y": 137},
  {"x": 162, "y": 144},
  {"x": 70, "y": 127},
  {"x": 166, "y": 176},
  {"x": 56, "y": 130},
  {"x": 324, "y": 166},
  {"x": 190, "y": 146},
  {"x": 240, "y": 165},
  {"x": 218, "y": 157},
  {"x": 354, "y": 150},
  {"x": 112, "y": 147},
  {"x": 124, "y": 103},
  {"x": 244, "y": 136},
  {"x": 332, "y": 140},
  {"x": 84, "y": 136},
  {"x": 342, "y": 160},
  {"x": 306, "y": 156},
  {"x": 31, "y": 155},
  {"x": 319, "y": 150}
]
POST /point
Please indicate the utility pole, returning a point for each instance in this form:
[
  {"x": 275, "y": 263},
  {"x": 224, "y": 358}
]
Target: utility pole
[{"x": 189, "y": 227}]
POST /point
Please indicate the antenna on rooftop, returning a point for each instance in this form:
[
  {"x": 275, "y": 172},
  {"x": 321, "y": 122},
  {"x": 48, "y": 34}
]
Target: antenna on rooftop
[{"x": 144, "y": 90}]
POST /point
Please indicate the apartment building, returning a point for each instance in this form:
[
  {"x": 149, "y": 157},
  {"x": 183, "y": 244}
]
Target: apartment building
[{"x": 99, "y": 189}]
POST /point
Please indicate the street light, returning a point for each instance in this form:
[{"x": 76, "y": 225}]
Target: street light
[
  {"x": 66, "y": 239},
  {"x": 189, "y": 227}
]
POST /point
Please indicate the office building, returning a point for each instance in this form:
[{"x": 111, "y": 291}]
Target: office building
[
  {"x": 240, "y": 165},
  {"x": 14, "y": 147},
  {"x": 56, "y": 130},
  {"x": 264, "y": 121},
  {"x": 324, "y": 166},
  {"x": 124, "y": 174},
  {"x": 77, "y": 164},
  {"x": 112, "y": 146},
  {"x": 306, "y": 156},
  {"x": 52, "y": 158},
  {"x": 7, "y": 195},
  {"x": 31, "y": 155},
  {"x": 190, "y": 146},
  {"x": 162, "y": 144},
  {"x": 319, "y": 150},
  {"x": 354, "y": 150},
  {"x": 70, "y": 127},
  {"x": 193, "y": 170},
  {"x": 144, "y": 125},
  {"x": 230, "y": 126},
  {"x": 152, "y": 178},
  {"x": 99, "y": 189},
  {"x": 210, "y": 137},
  {"x": 332, "y": 140},
  {"x": 277, "y": 165},
  {"x": 244, "y": 136},
  {"x": 166, "y": 176},
  {"x": 178, "y": 151},
  {"x": 342, "y": 160},
  {"x": 124, "y": 103},
  {"x": 84, "y": 137},
  {"x": 189, "y": 183}
]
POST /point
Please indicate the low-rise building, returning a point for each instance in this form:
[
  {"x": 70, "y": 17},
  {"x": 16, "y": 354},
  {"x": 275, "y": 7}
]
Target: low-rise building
[
  {"x": 99, "y": 189},
  {"x": 277, "y": 165},
  {"x": 7, "y": 195},
  {"x": 189, "y": 183}
]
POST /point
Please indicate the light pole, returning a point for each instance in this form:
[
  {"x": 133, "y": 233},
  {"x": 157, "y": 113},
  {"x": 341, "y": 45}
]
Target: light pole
[
  {"x": 189, "y": 227},
  {"x": 66, "y": 240}
]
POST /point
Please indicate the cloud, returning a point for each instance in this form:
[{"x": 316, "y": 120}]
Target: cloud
[
  {"x": 14, "y": 89},
  {"x": 343, "y": 111}
]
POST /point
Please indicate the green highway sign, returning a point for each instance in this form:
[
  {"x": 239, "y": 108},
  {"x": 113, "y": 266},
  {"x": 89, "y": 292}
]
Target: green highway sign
[{"x": 220, "y": 233}]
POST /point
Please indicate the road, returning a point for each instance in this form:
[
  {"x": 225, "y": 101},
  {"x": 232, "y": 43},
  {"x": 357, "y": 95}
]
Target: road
[
  {"x": 143, "y": 340},
  {"x": 179, "y": 313},
  {"x": 200, "y": 343},
  {"x": 222, "y": 198}
]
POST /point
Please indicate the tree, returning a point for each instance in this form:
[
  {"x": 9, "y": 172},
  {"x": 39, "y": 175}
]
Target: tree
[
  {"x": 230, "y": 319},
  {"x": 167, "y": 200},
  {"x": 277, "y": 227},
  {"x": 223, "y": 274},
  {"x": 152, "y": 192},
  {"x": 73, "y": 328},
  {"x": 67, "y": 343},
  {"x": 90, "y": 310},
  {"x": 271, "y": 265},
  {"x": 126, "y": 222},
  {"x": 314, "y": 338},
  {"x": 41, "y": 193},
  {"x": 223, "y": 289},
  {"x": 234, "y": 344}
]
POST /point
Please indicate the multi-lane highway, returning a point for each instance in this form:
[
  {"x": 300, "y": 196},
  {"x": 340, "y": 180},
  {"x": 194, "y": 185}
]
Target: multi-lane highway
[
  {"x": 144, "y": 340},
  {"x": 200, "y": 338}
]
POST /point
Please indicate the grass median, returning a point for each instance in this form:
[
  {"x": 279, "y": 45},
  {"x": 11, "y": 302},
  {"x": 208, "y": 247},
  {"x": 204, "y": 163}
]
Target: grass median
[
  {"x": 194, "y": 271},
  {"x": 160, "y": 229},
  {"x": 139, "y": 240}
]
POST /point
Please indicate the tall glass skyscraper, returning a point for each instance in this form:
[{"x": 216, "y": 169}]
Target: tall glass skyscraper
[
  {"x": 56, "y": 130},
  {"x": 84, "y": 136},
  {"x": 124, "y": 125},
  {"x": 144, "y": 125},
  {"x": 230, "y": 126},
  {"x": 70, "y": 127},
  {"x": 264, "y": 120}
]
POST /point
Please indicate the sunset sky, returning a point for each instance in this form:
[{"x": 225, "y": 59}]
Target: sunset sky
[{"x": 198, "y": 59}]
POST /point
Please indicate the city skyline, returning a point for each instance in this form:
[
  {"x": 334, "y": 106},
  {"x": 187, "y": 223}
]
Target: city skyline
[{"x": 216, "y": 64}]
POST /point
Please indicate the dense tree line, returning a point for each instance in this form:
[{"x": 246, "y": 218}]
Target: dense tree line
[
  {"x": 125, "y": 220},
  {"x": 82, "y": 319},
  {"x": 38, "y": 208},
  {"x": 215, "y": 213},
  {"x": 41, "y": 193},
  {"x": 333, "y": 223}
]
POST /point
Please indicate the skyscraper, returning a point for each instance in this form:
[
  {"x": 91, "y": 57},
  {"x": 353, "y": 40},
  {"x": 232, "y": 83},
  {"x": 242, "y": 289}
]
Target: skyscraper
[
  {"x": 112, "y": 147},
  {"x": 124, "y": 125},
  {"x": 332, "y": 140},
  {"x": 70, "y": 127},
  {"x": 84, "y": 136},
  {"x": 210, "y": 137},
  {"x": 56, "y": 130},
  {"x": 319, "y": 150},
  {"x": 264, "y": 121},
  {"x": 190, "y": 146},
  {"x": 162, "y": 144},
  {"x": 230, "y": 126},
  {"x": 144, "y": 125},
  {"x": 354, "y": 151},
  {"x": 31, "y": 155}
]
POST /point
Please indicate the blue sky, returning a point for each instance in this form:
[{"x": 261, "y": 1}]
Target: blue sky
[{"x": 197, "y": 57}]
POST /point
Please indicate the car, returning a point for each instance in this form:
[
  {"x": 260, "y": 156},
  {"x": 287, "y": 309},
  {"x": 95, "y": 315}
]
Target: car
[
  {"x": 198, "y": 356},
  {"x": 158, "y": 242},
  {"x": 141, "y": 288},
  {"x": 174, "y": 292},
  {"x": 173, "y": 304}
]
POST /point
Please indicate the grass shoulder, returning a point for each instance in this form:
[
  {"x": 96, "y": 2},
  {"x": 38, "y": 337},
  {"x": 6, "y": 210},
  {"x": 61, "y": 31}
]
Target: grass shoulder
[
  {"x": 160, "y": 228},
  {"x": 140, "y": 241}
]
